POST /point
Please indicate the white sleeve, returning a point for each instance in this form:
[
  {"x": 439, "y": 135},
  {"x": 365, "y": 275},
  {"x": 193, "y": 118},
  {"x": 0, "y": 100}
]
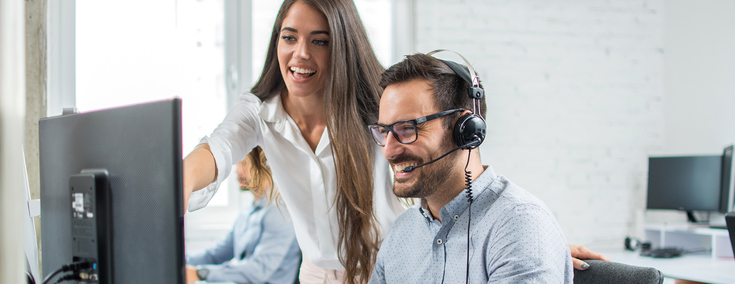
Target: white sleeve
[{"x": 230, "y": 142}]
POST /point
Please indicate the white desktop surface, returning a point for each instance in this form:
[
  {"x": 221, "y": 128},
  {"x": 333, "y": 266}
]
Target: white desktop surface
[{"x": 702, "y": 268}]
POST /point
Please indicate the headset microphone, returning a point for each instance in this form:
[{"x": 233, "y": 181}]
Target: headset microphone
[{"x": 470, "y": 145}]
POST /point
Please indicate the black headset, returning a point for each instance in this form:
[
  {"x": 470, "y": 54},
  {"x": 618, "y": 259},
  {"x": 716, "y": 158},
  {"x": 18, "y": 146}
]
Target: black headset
[
  {"x": 633, "y": 244},
  {"x": 469, "y": 130}
]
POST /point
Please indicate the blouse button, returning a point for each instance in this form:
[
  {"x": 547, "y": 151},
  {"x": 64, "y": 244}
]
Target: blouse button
[
  {"x": 438, "y": 241},
  {"x": 456, "y": 217}
]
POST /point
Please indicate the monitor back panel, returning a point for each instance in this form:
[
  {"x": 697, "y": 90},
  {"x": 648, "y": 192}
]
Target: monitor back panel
[{"x": 140, "y": 146}]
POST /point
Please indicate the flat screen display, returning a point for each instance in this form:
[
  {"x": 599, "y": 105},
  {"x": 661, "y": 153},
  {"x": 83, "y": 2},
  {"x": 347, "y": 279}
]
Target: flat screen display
[
  {"x": 684, "y": 183},
  {"x": 726, "y": 193}
]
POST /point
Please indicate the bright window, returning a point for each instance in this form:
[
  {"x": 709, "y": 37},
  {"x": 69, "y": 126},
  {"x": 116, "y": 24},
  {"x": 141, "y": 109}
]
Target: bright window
[
  {"x": 127, "y": 55},
  {"x": 141, "y": 51}
]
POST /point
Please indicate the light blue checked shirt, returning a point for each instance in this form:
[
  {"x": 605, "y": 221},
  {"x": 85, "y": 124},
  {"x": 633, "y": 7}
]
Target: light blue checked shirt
[{"x": 514, "y": 239}]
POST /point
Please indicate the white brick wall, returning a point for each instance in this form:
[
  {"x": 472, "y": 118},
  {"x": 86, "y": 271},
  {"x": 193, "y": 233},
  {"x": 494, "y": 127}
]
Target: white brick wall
[
  {"x": 575, "y": 99},
  {"x": 699, "y": 76}
]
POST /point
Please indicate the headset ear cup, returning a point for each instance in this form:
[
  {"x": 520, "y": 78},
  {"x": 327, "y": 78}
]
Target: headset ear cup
[
  {"x": 469, "y": 128},
  {"x": 632, "y": 244}
]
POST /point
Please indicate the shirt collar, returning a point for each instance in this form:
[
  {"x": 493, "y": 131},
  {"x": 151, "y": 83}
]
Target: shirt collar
[
  {"x": 259, "y": 203},
  {"x": 271, "y": 110},
  {"x": 460, "y": 202}
]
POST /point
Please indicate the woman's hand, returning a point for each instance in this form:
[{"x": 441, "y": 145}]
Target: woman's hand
[{"x": 581, "y": 252}]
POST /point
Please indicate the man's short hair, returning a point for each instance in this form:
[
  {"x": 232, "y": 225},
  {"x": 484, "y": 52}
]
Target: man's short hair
[{"x": 450, "y": 91}]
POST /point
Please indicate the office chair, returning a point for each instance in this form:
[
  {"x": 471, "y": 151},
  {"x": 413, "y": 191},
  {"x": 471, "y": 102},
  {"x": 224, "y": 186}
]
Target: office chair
[{"x": 604, "y": 272}]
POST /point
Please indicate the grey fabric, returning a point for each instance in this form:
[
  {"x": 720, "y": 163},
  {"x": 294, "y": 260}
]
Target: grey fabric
[{"x": 603, "y": 272}]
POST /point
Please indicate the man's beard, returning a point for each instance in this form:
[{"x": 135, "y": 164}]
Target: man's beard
[{"x": 430, "y": 177}]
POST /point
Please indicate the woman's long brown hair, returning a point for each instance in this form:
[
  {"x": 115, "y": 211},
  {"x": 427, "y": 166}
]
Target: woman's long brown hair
[{"x": 351, "y": 99}]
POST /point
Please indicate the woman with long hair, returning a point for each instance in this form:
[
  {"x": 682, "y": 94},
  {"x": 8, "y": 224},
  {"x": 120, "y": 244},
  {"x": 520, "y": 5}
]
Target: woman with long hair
[{"x": 309, "y": 111}]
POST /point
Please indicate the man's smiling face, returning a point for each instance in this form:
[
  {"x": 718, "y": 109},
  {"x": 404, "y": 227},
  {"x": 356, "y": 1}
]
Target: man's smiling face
[{"x": 410, "y": 100}]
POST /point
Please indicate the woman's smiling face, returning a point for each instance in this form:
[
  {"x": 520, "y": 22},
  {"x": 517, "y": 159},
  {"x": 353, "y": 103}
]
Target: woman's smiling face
[{"x": 303, "y": 50}]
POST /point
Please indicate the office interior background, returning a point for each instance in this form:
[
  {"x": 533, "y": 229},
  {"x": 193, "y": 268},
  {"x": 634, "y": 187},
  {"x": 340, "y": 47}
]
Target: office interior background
[{"x": 579, "y": 93}]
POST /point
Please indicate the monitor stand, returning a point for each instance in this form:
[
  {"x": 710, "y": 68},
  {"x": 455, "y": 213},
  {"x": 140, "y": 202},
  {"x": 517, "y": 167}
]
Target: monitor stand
[
  {"x": 691, "y": 218},
  {"x": 709, "y": 222}
]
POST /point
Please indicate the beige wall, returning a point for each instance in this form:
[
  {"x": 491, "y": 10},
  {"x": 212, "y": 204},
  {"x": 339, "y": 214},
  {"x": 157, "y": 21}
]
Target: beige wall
[
  {"x": 35, "y": 64},
  {"x": 35, "y": 24}
]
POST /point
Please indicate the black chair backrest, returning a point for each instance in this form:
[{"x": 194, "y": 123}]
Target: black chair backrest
[{"x": 603, "y": 272}]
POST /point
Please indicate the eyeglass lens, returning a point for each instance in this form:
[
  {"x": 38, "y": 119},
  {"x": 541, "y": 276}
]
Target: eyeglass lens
[{"x": 404, "y": 132}]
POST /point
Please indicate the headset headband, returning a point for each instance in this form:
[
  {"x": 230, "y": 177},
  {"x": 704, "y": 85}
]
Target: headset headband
[
  {"x": 475, "y": 92},
  {"x": 474, "y": 80}
]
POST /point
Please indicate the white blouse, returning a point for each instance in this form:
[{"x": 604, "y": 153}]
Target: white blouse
[{"x": 306, "y": 180}]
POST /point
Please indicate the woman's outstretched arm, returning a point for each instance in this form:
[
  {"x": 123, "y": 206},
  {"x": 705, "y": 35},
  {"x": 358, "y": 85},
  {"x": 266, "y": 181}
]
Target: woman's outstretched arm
[{"x": 199, "y": 171}]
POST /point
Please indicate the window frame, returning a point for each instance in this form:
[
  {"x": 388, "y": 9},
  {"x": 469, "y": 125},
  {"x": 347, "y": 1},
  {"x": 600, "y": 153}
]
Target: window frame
[
  {"x": 61, "y": 86},
  {"x": 213, "y": 221}
]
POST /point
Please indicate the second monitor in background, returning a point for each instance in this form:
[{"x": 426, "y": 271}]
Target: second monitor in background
[
  {"x": 691, "y": 183},
  {"x": 727, "y": 186}
]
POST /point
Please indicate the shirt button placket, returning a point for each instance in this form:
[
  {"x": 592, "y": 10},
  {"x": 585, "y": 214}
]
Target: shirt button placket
[{"x": 439, "y": 261}]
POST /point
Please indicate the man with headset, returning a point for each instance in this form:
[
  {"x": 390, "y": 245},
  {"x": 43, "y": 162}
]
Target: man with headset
[{"x": 513, "y": 237}]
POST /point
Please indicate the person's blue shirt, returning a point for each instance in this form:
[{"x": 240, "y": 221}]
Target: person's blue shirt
[
  {"x": 514, "y": 239},
  {"x": 260, "y": 248}
]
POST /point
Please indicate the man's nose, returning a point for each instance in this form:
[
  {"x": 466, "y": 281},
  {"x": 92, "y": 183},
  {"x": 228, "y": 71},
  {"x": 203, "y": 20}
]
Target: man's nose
[{"x": 392, "y": 147}]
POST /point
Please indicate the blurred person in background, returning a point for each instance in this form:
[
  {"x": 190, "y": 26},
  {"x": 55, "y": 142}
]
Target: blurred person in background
[{"x": 261, "y": 247}]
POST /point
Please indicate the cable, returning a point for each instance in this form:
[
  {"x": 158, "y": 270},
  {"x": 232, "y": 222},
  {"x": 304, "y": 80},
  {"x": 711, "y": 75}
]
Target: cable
[
  {"x": 468, "y": 179},
  {"x": 76, "y": 266},
  {"x": 68, "y": 277},
  {"x": 29, "y": 278},
  {"x": 45, "y": 281},
  {"x": 468, "y": 188}
]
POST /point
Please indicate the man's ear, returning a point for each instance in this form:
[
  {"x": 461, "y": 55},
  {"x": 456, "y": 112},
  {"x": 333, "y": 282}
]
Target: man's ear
[
  {"x": 469, "y": 130},
  {"x": 460, "y": 115}
]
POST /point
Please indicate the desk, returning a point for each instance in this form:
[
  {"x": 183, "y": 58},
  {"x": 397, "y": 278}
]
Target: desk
[{"x": 702, "y": 268}]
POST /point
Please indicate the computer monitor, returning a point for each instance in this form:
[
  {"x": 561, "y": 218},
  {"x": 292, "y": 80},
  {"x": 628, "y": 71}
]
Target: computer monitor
[
  {"x": 727, "y": 191},
  {"x": 691, "y": 183},
  {"x": 139, "y": 147}
]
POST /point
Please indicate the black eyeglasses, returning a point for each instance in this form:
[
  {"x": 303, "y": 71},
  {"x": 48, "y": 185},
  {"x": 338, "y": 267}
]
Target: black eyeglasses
[{"x": 405, "y": 130}]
